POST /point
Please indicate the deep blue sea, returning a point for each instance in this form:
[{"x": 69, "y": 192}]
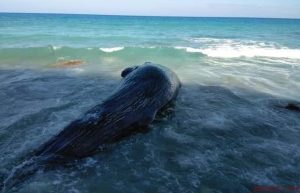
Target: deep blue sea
[{"x": 229, "y": 131}]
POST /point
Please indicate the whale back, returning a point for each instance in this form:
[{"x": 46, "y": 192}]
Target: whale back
[{"x": 143, "y": 91}]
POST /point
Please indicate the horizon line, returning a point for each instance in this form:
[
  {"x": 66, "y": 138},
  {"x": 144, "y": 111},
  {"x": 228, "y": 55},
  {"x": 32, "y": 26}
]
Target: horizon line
[{"x": 173, "y": 16}]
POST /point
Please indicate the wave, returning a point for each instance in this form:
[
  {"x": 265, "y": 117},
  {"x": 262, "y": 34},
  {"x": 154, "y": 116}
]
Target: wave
[
  {"x": 231, "y": 49},
  {"x": 114, "y": 49},
  {"x": 245, "y": 51},
  {"x": 234, "y": 48},
  {"x": 108, "y": 50},
  {"x": 222, "y": 48},
  {"x": 231, "y": 42}
]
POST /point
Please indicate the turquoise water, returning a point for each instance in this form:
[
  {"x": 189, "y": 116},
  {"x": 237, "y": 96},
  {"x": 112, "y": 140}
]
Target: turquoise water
[{"x": 228, "y": 133}]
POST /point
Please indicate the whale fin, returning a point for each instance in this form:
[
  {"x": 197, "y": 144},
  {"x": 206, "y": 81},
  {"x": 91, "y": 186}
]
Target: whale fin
[
  {"x": 292, "y": 107},
  {"x": 147, "y": 118},
  {"x": 166, "y": 112},
  {"x": 126, "y": 71}
]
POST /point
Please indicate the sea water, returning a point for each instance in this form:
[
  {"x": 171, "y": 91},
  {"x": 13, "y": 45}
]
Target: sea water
[{"x": 229, "y": 130}]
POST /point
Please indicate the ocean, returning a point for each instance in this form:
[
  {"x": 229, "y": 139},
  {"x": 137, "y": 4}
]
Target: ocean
[{"x": 229, "y": 130}]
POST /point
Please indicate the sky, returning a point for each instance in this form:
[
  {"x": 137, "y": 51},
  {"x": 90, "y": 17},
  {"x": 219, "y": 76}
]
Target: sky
[{"x": 202, "y": 8}]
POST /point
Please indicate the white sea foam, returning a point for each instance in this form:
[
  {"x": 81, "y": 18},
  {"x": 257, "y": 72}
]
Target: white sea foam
[
  {"x": 231, "y": 42},
  {"x": 77, "y": 70},
  {"x": 114, "y": 49},
  {"x": 244, "y": 51},
  {"x": 210, "y": 40},
  {"x": 189, "y": 49},
  {"x": 228, "y": 48},
  {"x": 56, "y": 47}
]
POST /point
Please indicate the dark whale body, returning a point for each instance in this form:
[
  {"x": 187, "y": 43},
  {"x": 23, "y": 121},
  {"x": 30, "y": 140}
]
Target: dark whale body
[{"x": 143, "y": 91}]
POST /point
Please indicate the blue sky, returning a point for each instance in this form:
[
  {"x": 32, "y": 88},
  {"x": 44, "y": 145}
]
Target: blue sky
[{"x": 226, "y": 8}]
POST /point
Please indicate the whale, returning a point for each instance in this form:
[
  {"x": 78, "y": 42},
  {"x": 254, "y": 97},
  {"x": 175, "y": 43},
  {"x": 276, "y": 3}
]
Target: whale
[{"x": 143, "y": 92}]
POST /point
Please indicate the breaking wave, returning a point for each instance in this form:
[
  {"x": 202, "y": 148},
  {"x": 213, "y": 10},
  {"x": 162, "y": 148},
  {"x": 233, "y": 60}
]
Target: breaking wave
[
  {"x": 114, "y": 49},
  {"x": 204, "y": 47},
  {"x": 229, "y": 48}
]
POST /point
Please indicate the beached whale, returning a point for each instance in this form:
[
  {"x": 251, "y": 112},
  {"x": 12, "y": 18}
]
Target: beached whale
[{"x": 143, "y": 91}]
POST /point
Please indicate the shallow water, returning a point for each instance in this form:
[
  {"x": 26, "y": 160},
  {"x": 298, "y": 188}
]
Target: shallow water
[{"x": 228, "y": 132}]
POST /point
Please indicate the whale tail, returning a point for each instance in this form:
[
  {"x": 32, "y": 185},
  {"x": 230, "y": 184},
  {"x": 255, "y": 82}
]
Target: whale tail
[{"x": 20, "y": 174}]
